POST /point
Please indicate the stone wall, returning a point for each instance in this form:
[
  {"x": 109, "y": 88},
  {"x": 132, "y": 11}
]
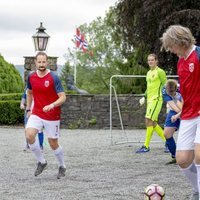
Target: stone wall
[{"x": 93, "y": 111}]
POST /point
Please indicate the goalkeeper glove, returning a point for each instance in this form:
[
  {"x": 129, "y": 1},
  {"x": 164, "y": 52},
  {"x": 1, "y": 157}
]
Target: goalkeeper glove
[{"x": 142, "y": 101}]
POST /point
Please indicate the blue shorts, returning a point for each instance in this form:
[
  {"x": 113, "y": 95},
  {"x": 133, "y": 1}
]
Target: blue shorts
[{"x": 169, "y": 123}]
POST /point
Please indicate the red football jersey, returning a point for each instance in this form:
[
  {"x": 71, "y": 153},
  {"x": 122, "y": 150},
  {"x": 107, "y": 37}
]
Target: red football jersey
[
  {"x": 45, "y": 91},
  {"x": 189, "y": 77}
]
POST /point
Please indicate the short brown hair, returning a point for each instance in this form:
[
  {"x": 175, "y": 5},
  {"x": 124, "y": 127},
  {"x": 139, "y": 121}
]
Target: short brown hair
[{"x": 41, "y": 53}]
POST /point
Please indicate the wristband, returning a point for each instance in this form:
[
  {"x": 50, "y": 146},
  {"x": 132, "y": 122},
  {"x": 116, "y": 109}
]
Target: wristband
[{"x": 28, "y": 110}]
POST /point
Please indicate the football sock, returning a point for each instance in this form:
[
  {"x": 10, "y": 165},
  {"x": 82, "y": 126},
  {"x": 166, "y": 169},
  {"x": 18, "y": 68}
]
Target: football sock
[
  {"x": 171, "y": 145},
  {"x": 59, "y": 155},
  {"x": 41, "y": 138},
  {"x": 191, "y": 173},
  {"x": 160, "y": 132},
  {"x": 35, "y": 148},
  {"x": 149, "y": 133},
  {"x": 198, "y": 174}
]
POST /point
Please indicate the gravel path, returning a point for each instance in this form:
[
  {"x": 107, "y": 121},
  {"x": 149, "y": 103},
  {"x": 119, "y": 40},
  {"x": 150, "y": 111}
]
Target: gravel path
[{"x": 96, "y": 170}]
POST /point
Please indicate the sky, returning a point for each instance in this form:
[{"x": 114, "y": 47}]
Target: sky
[{"x": 20, "y": 18}]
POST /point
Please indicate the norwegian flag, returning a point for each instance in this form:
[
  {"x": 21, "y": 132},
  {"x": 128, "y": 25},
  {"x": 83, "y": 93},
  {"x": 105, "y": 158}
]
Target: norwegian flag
[{"x": 81, "y": 43}]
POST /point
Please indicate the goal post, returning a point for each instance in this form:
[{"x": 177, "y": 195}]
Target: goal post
[{"x": 112, "y": 89}]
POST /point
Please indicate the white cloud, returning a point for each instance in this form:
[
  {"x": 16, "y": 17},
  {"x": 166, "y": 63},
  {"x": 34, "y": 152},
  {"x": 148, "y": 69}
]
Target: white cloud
[{"x": 19, "y": 20}]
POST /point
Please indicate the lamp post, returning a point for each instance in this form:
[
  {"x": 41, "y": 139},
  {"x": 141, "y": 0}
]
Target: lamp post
[{"x": 40, "y": 38}]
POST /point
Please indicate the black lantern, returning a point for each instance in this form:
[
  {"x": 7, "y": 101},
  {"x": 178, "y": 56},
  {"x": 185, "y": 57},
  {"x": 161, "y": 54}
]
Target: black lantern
[{"x": 40, "y": 38}]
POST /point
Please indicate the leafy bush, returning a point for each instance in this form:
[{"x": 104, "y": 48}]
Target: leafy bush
[
  {"x": 10, "y": 79},
  {"x": 11, "y": 112},
  {"x": 10, "y": 96}
]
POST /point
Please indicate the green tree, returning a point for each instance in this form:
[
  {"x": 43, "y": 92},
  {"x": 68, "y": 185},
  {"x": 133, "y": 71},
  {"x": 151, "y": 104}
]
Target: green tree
[
  {"x": 142, "y": 23},
  {"x": 10, "y": 79},
  {"x": 108, "y": 58}
]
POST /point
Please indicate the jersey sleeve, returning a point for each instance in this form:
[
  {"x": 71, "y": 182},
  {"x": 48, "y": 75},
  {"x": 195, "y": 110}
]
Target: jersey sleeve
[
  {"x": 198, "y": 52},
  {"x": 24, "y": 94},
  {"x": 179, "y": 97},
  {"x": 166, "y": 97},
  {"x": 29, "y": 84},
  {"x": 57, "y": 83},
  {"x": 162, "y": 76}
]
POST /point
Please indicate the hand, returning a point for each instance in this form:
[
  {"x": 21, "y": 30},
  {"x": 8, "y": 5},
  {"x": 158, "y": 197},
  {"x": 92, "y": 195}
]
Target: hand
[
  {"x": 22, "y": 106},
  {"x": 48, "y": 107},
  {"x": 173, "y": 118},
  {"x": 142, "y": 101}
]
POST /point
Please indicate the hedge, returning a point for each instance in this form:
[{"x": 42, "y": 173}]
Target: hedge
[
  {"x": 11, "y": 96},
  {"x": 10, "y": 112}
]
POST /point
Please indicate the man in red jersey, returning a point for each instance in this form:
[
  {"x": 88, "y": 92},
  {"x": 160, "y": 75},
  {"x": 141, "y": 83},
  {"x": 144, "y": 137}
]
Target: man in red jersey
[
  {"x": 180, "y": 41},
  {"x": 45, "y": 88}
]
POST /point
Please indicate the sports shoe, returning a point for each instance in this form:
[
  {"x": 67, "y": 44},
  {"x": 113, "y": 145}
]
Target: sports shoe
[
  {"x": 40, "y": 168},
  {"x": 26, "y": 147},
  {"x": 143, "y": 149},
  {"x": 195, "y": 196},
  {"x": 166, "y": 150},
  {"x": 172, "y": 161},
  {"x": 61, "y": 172}
]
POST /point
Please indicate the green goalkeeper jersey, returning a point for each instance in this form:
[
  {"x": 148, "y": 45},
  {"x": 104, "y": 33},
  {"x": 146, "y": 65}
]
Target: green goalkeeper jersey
[{"x": 155, "y": 79}]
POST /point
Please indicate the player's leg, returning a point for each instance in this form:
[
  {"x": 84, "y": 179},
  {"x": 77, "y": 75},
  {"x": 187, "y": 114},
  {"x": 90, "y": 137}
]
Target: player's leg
[
  {"x": 41, "y": 139},
  {"x": 169, "y": 130},
  {"x": 156, "y": 108},
  {"x": 52, "y": 130},
  {"x": 160, "y": 132},
  {"x": 185, "y": 152},
  {"x": 149, "y": 132},
  {"x": 26, "y": 146},
  {"x": 170, "y": 142},
  {"x": 197, "y": 151},
  {"x": 34, "y": 124},
  {"x": 151, "y": 116}
]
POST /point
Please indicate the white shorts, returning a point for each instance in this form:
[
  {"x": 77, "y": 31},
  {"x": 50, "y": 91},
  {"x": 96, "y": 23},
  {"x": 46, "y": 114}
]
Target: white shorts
[
  {"x": 51, "y": 128},
  {"x": 189, "y": 134}
]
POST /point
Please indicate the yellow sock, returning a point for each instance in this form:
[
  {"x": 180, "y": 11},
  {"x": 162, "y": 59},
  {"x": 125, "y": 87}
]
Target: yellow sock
[
  {"x": 149, "y": 133},
  {"x": 160, "y": 132}
]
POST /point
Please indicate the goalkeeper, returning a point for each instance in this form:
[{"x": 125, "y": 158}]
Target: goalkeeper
[{"x": 156, "y": 79}]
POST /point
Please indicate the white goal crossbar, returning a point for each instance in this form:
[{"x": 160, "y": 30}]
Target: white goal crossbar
[{"x": 112, "y": 89}]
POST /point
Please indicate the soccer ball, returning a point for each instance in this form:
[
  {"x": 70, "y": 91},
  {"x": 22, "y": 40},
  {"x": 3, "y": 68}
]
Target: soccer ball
[{"x": 154, "y": 192}]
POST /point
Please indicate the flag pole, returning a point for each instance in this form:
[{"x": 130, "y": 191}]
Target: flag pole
[
  {"x": 82, "y": 44},
  {"x": 75, "y": 65},
  {"x": 75, "y": 57}
]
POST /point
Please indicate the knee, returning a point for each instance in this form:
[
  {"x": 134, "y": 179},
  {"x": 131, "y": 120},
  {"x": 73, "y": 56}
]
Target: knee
[
  {"x": 149, "y": 122},
  {"x": 53, "y": 144},
  {"x": 183, "y": 161},
  {"x": 30, "y": 136},
  {"x": 166, "y": 135}
]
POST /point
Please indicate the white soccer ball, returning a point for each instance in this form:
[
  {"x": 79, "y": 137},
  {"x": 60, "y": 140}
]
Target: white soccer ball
[{"x": 154, "y": 192}]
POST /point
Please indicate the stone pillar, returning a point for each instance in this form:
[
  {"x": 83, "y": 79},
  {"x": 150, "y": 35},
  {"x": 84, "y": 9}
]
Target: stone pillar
[{"x": 29, "y": 65}]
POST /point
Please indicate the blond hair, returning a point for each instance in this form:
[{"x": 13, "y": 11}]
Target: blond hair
[
  {"x": 155, "y": 57},
  {"x": 177, "y": 35}
]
